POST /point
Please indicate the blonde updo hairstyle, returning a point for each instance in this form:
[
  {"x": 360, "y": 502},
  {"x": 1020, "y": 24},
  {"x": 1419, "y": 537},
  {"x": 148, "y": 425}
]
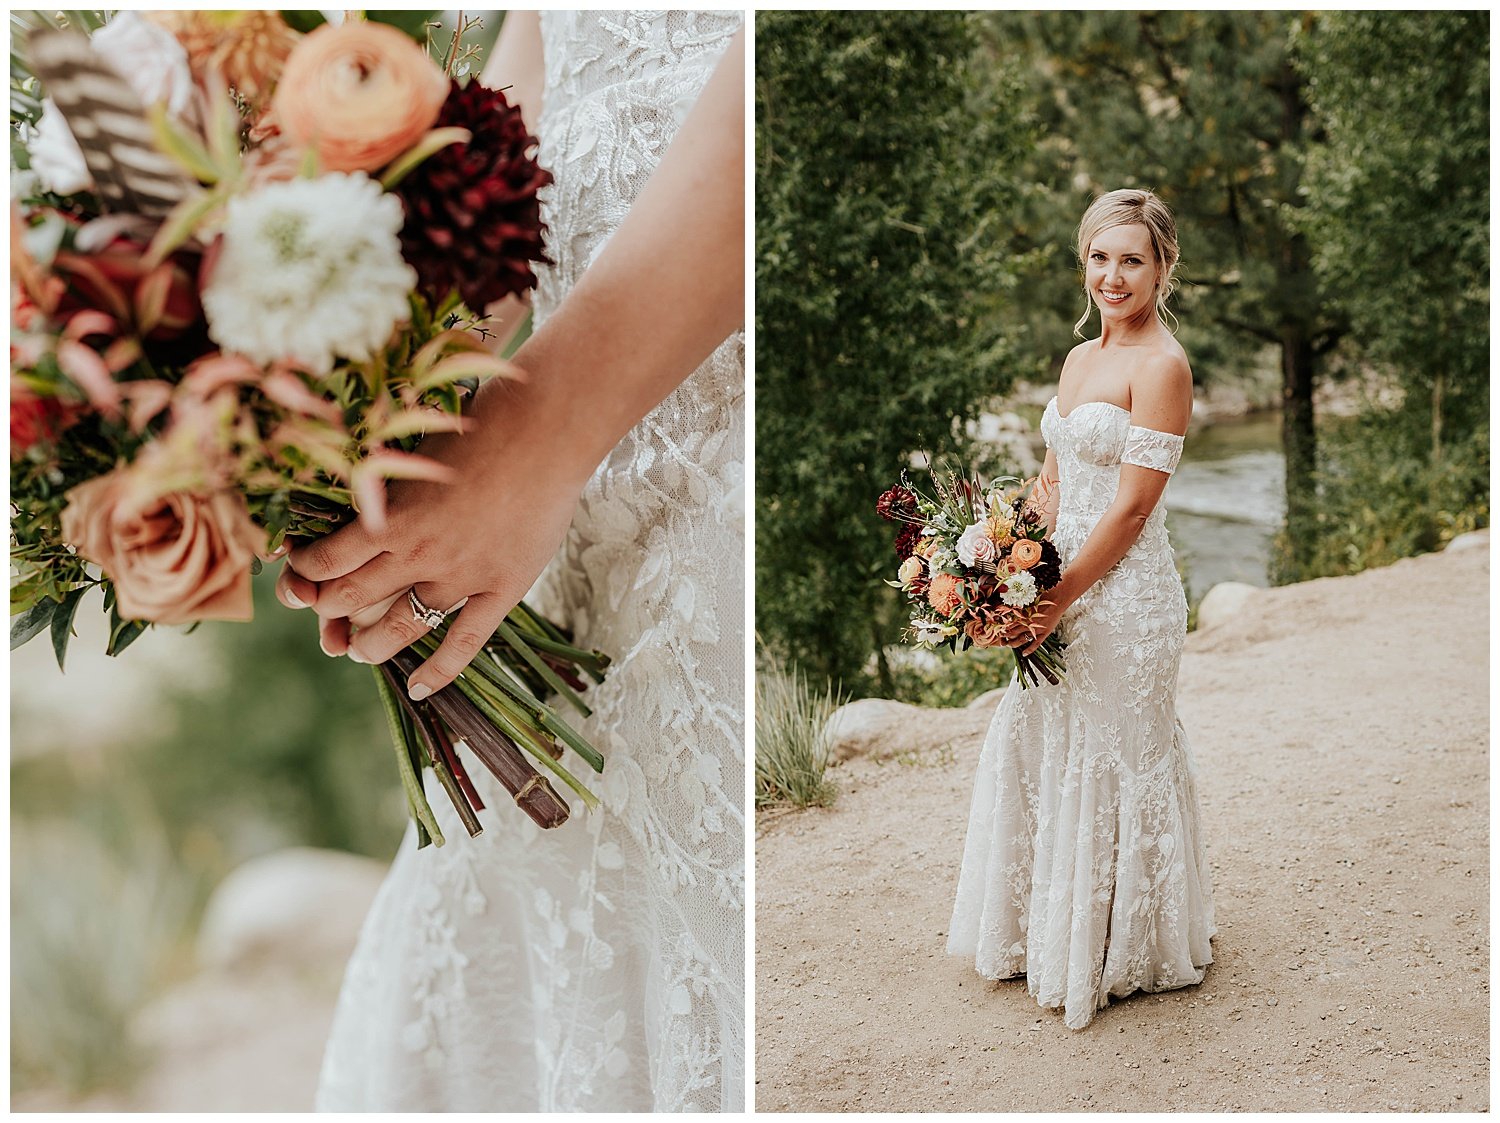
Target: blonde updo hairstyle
[{"x": 1131, "y": 206}]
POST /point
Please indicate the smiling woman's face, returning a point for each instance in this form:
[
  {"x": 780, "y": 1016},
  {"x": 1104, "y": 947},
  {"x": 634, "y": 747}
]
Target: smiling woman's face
[{"x": 1121, "y": 272}]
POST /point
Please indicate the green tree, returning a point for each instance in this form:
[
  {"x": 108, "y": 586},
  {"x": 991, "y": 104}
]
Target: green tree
[
  {"x": 1398, "y": 199},
  {"x": 1397, "y": 208},
  {"x": 1206, "y": 109},
  {"x": 885, "y": 194}
]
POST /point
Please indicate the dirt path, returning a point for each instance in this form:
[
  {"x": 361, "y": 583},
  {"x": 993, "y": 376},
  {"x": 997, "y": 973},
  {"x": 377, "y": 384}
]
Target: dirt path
[{"x": 1344, "y": 788}]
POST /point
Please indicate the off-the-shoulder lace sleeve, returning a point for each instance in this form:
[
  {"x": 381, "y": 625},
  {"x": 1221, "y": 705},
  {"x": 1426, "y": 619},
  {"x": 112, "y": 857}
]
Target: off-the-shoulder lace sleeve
[{"x": 1150, "y": 448}]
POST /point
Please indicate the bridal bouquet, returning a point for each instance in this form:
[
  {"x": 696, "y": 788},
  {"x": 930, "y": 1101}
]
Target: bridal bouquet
[
  {"x": 249, "y": 268},
  {"x": 975, "y": 560}
]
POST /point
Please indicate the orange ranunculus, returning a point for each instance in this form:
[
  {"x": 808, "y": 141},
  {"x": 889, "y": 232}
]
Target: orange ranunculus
[
  {"x": 359, "y": 93},
  {"x": 1026, "y": 553},
  {"x": 173, "y": 558},
  {"x": 943, "y": 593}
]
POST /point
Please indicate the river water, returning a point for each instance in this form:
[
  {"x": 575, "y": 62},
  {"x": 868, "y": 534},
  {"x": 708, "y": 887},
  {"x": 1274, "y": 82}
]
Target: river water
[{"x": 1226, "y": 501}]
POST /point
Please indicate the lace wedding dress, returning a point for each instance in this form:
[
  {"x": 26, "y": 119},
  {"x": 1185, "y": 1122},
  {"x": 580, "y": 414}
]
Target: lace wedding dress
[
  {"x": 598, "y": 966},
  {"x": 1084, "y": 866}
]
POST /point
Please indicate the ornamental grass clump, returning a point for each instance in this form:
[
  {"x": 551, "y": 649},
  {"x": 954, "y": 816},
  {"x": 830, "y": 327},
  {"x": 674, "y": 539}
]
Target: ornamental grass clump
[{"x": 793, "y": 747}]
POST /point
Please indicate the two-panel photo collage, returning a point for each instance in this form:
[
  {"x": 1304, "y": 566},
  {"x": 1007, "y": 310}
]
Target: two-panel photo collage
[{"x": 750, "y": 561}]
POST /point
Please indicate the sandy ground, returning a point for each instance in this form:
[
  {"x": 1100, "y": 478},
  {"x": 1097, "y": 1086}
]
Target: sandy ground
[{"x": 1344, "y": 793}]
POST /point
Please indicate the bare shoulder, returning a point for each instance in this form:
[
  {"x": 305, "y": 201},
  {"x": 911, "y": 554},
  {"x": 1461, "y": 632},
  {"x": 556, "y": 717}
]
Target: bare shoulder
[
  {"x": 1161, "y": 389},
  {"x": 1079, "y": 352}
]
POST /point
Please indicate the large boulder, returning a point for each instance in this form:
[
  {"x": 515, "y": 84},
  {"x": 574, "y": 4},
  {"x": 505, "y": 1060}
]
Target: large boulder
[
  {"x": 856, "y": 728},
  {"x": 1222, "y": 602},
  {"x": 988, "y": 700},
  {"x": 1472, "y": 540},
  {"x": 291, "y": 906}
]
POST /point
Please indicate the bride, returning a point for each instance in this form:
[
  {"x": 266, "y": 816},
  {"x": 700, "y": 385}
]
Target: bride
[
  {"x": 599, "y": 966},
  {"x": 1084, "y": 867}
]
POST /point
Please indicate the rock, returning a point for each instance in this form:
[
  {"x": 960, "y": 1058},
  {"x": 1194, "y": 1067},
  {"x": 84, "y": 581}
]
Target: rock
[
  {"x": 989, "y": 699},
  {"x": 854, "y": 729},
  {"x": 1475, "y": 538},
  {"x": 1223, "y": 601},
  {"x": 289, "y": 907}
]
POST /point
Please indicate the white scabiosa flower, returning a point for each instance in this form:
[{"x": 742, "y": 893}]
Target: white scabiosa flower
[
  {"x": 941, "y": 559},
  {"x": 310, "y": 270},
  {"x": 1020, "y": 589},
  {"x": 932, "y": 631}
]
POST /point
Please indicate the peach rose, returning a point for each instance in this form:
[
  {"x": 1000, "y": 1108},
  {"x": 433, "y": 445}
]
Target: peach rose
[
  {"x": 986, "y": 633},
  {"x": 911, "y": 569},
  {"x": 173, "y": 558},
  {"x": 1026, "y": 553},
  {"x": 359, "y": 93},
  {"x": 943, "y": 593}
]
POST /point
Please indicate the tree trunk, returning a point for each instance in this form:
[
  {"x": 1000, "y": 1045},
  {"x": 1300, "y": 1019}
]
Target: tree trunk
[
  {"x": 1300, "y": 304},
  {"x": 1439, "y": 385},
  {"x": 883, "y": 668},
  {"x": 1299, "y": 439}
]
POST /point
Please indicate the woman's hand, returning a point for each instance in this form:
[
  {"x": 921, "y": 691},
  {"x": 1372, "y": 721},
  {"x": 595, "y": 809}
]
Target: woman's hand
[
  {"x": 480, "y": 540},
  {"x": 1042, "y": 623}
]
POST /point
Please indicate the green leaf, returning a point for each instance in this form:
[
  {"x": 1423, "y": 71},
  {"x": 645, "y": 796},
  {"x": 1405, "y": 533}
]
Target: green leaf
[
  {"x": 411, "y": 23},
  {"x": 303, "y": 21},
  {"x": 180, "y": 223},
  {"x": 62, "y": 625},
  {"x": 31, "y": 622},
  {"x": 434, "y": 141},
  {"x": 181, "y": 146},
  {"x": 123, "y": 633}
]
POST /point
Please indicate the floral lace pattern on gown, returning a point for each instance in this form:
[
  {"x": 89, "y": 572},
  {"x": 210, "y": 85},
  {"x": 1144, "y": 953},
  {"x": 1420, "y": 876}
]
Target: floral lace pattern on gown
[
  {"x": 1084, "y": 866},
  {"x": 598, "y": 966}
]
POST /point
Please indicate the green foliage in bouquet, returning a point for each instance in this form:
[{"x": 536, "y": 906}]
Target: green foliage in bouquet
[{"x": 885, "y": 182}]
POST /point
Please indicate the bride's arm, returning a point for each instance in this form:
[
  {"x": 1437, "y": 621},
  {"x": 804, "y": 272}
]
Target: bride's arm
[
  {"x": 666, "y": 290},
  {"x": 1161, "y": 399},
  {"x": 1045, "y": 493}
]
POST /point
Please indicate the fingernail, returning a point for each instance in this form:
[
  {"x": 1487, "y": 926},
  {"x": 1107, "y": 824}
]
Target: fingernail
[
  {"x": 294, "y": 600},
  {"x": 283, "y": 548},
  {"x": 419, "y": 691},
  {"x": 330, "y": 654},
  {"x": 356, "y": 656}
]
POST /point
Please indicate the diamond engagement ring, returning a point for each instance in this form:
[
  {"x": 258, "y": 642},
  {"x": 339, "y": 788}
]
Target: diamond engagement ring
[{"x": 422, "y": 614}]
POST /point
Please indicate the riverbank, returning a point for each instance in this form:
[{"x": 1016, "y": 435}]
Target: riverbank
[{"x": 1345, "y": 796}]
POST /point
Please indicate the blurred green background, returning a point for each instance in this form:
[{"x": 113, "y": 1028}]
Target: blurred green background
[{"x": 138, "y": 783}]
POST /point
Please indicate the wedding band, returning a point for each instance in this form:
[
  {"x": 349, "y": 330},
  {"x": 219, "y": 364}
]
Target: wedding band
[{"x": 422, "y": 614}]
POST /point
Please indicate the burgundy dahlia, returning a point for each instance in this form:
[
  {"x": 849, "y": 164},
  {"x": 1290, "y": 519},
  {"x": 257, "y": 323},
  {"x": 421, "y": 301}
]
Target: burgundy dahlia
[
  {"x": 1048, "y": 571},
  {"x": 896, "y": 502},
  {"x": 473, "y": 222},
  {"x": 906, "y": 541}
]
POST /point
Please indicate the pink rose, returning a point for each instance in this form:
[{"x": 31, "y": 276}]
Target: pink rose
[
  {"x": 173, "y": 558},
  {"x": 975, "y": 546}
]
